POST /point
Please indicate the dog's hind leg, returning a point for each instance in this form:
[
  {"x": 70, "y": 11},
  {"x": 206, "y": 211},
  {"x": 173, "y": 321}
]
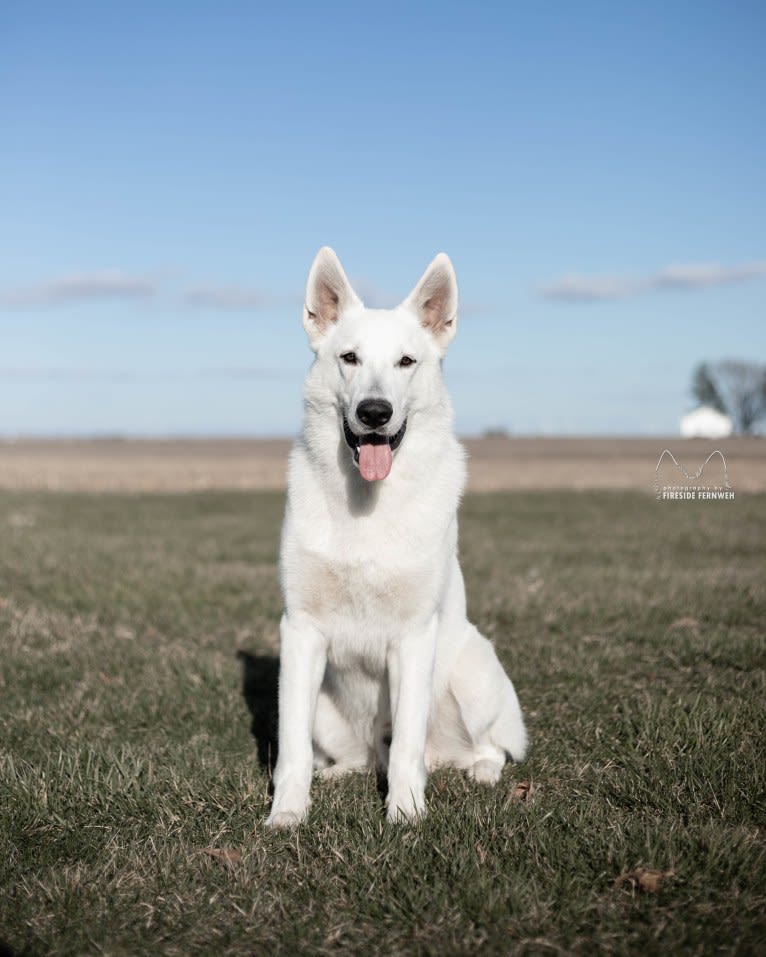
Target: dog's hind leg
[
  {"x": 489, "y": 709},
  {"x": 337, "y": 749}
]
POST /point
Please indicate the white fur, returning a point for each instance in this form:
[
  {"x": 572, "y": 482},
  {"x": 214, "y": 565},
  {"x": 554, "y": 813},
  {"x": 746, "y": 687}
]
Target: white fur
[{"x": 375, "y": 640}]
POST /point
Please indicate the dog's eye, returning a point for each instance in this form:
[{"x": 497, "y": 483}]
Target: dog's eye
[
  {"x": 407, "y": 361},
  {"x": 350, "y": 358}
]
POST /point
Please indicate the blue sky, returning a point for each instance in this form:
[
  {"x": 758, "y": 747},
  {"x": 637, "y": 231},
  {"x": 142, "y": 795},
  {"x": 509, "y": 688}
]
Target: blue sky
[{"x": 167, "y": 172}]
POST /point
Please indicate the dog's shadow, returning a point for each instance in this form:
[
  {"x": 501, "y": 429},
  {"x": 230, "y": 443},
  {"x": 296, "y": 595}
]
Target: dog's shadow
[{"x": 260, "y": 688}]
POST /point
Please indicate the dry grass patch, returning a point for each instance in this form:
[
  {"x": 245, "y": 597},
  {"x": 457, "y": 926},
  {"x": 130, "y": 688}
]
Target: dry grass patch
[{"x": 132, "y": 798}]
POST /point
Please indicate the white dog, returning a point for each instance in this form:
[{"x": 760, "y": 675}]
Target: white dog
[{"x": 379, "y": 665}]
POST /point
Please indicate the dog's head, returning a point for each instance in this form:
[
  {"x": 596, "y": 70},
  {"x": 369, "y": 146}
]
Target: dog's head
[{"x": 381, "y": 365}]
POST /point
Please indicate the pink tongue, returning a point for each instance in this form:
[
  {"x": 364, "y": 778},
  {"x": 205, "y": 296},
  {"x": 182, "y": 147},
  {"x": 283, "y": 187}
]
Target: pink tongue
[{"x": 375, "y": 460}]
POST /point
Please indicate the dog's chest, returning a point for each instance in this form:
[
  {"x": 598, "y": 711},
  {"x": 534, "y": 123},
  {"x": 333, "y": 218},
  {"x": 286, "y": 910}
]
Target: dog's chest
[
  {"x": 364, "y": 578},
  {"x": 366, "y": 593}
]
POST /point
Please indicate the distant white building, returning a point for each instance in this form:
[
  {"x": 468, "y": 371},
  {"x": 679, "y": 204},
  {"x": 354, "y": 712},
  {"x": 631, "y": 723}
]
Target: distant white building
[{"x": 706, "y": 423}]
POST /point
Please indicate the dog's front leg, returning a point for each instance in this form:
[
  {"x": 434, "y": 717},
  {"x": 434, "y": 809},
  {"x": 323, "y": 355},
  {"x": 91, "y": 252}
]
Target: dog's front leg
[
  {"x": 301, "y": 668},
  {"x": 410, "y": 674}
]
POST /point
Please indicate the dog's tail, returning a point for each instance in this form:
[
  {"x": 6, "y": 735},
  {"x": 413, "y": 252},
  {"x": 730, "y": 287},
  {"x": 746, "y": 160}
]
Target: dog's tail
[{"x": 508, "y": 731}]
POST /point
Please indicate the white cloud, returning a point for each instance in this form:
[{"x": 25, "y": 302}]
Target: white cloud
[
  {"x": 49, "y": 373},
  {"x": 577, "y": 288},
  {"x": 79, "y": 287},
  {"x": 91, "y": 286},
  {"x": 697, "y": 276}
]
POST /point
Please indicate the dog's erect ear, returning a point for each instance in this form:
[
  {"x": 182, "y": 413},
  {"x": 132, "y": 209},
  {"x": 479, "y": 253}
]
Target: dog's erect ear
[
  {"x": 328, "y": 293},
  {"x": 434, "y": 301}
]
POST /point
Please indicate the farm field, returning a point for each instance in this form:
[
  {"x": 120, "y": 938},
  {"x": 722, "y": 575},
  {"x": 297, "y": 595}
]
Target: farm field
[
  {"x": 496, "y": 463},
  {"x": 139, "y": 635}
]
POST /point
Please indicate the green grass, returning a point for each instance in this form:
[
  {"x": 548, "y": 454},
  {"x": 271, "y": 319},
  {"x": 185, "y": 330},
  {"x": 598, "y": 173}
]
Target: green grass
[{"x": 634, "y": 632}]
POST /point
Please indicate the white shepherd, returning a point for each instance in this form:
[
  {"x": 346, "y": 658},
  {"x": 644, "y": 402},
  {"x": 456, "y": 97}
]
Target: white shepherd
[{"x": 379, "y": 665}]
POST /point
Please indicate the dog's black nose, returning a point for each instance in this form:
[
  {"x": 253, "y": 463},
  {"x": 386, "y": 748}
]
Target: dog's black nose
[{"x": 374, "y": 412}]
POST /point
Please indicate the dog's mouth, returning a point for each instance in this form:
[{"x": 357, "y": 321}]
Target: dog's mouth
[{"x": 373, "y": 453}]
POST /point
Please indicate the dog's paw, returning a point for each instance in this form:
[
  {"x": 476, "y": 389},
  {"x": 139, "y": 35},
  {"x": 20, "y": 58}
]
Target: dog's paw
[
  {"x": 282, "y": 820},
  {"x": 485, "y": 772},
  {"x": 405, "y": 810},
  {"x": 397, "y": 815}
]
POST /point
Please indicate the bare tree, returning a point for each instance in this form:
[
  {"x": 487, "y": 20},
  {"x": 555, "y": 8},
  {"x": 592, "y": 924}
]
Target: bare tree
[
  {"x": 733, "y": 386},
  {"x": 704, "y": 388}
]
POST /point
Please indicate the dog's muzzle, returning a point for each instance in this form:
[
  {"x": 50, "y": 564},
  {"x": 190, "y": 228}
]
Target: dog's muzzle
[{"x": 373, "y": 452}]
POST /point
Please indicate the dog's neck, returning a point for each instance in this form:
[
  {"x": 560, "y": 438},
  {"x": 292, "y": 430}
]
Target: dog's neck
[{"x": 362, "y": 497}]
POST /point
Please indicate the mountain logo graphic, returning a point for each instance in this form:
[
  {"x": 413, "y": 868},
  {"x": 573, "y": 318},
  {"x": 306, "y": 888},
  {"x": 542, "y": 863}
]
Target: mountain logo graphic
[{"x": 688, "y": 479}]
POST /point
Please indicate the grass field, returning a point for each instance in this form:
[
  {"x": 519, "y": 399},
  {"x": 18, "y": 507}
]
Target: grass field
[{"x": 132, "y": 800}]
